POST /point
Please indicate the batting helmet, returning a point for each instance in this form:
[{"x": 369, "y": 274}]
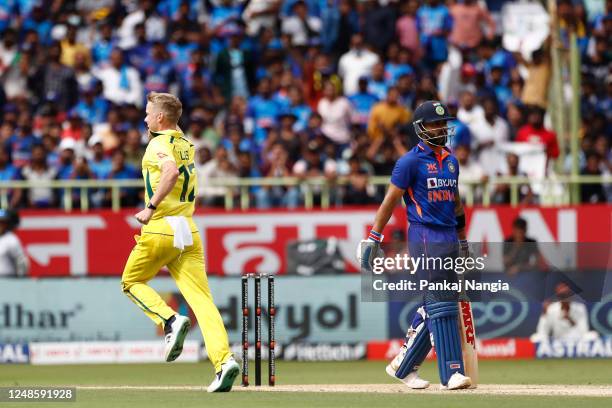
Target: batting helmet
[{"x": 430, "y": 112}]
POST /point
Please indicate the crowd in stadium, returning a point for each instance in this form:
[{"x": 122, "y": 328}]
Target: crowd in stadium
[{"x": 275, "y": 88}]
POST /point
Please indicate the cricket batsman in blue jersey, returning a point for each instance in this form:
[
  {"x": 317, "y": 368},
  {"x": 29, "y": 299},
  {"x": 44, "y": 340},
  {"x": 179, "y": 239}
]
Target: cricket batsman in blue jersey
[{"x": 426, "y": 177}]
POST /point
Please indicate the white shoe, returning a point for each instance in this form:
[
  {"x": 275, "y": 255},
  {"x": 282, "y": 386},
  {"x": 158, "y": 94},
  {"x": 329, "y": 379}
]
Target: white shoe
[
  {"x": 224, "y": 379},
  {"x": 412, "y": 380},
  {"x": 176, "y": 331},
  {"x": 458, "y": 381}
]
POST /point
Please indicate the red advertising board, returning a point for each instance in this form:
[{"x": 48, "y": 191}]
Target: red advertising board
[{"x": 98, "y": 242}]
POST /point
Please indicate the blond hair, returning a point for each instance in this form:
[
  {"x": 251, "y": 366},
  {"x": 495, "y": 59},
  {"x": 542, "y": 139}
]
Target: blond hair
[{"x": 168, "y": 104}]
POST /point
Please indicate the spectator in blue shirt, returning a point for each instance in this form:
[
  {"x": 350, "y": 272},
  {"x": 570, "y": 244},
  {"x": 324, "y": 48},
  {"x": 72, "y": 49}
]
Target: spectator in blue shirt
[
  {"x": 139, "y": 54},
  {"x": 122, "y": 171},
  {"x": 180, "y": 50},
  {"x": 397, "y": 64},
  {"x": 102, "y": 47},
  {"x": 20, "y": 144},
  {"x": 362, "y": 102},
  {"x": 38, "y": 22},
  {"x": 462, "y": 135},
  {"x": 262, "y": 110},
  {"x": 503, "y": 94},
  {"x": 377, "y": 84},
  {"x": 159, "y": 71},
  {"x": 91, "y": 107},
  {"x": 7, "y": 170},
  {"x": 434, "y": 23}
]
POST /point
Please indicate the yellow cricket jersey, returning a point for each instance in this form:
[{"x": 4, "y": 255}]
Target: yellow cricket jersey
[{"x": 170, "y": 145}]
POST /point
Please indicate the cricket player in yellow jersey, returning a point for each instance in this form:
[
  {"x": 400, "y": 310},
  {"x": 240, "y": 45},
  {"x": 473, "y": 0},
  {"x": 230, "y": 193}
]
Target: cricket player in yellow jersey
[{"x": 169, "y": 237}]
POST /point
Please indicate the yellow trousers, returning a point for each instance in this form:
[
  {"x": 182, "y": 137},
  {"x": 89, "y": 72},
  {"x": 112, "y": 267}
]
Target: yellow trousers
[{"x": 151, "y": 253}]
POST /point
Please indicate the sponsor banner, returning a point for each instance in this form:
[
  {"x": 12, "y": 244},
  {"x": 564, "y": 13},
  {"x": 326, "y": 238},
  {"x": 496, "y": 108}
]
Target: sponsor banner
[
  {"x": 597, "y": 348},
  {"x": 508, "y": 316},
  {"x": 495, "y": 349},
  {"x": 309, "y": 351},
  {"x": 14, "y": 353},
  {"x": 62, "y": 244},
  {"x": 108, "y": 352},
  {"x": 316, "y": 308}
]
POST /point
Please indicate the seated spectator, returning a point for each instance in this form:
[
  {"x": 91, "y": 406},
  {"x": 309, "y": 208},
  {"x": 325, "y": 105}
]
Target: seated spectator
[
  {"x": 406, "y": 87},
  {"x": 120, "y": 170},
  {"x": 362, "y": 102},
  {"x": 158, "y": 73},
  {"x": 336, "y": 111},
  {"x": 470, "y": 170},
  {"x": 277, "y": 164},
  {"x": 462, "y": 134},
  {"x": 535, "y": 132},
  {"x": 521, "y": 253},
  {"x": 107, "y": 42},
  {"x": 21, "y": 143},
  {"x": 592, "y": 193},
  {"x": 298, "y": 108},
  {"x": 488, "y": 133},
  {"x": 220, "y": 168},
  {"x": 387, "y": 115},
  {"x": 82, "y": 172},
  {"x": 355, "y": 64},
  {"x": 397, "y": 64},
  {"x": 564, "y": 319},
  {"x": 434, "y": 22},
  {"x": 180, "y": 50},
  {"x": 134, "y": 149},
  {"x": 137, "y": 55},
  {"x": 263, "y": 110},
  {"x": 358, "y": 191},
  {"x": 99, "y": 163},
  {"x": 91, "y": 107},
  {"x": 54, "y": 81},
  {"x": 503, "y": 192},
  {"x": 121, "y": 83},
  {"x": 301, "y": 28},
  {"x": 37, "y": 170},
  {"x": 312, "y": 164}
]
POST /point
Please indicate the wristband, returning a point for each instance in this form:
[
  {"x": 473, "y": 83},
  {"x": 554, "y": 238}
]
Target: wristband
[
  {"x": 151, "y": 206},
  {"x": 375, "y": 236}
]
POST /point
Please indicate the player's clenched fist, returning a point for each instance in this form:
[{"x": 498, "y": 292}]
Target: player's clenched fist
[{"x": 144, "y": 216}]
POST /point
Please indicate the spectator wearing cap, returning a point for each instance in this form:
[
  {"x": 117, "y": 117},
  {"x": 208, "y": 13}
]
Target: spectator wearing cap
[
  {"x": 356, "y": 63},
  {"x": 71, "y": 47},
  {"x": 489, "y": 132},
  {"x": 377, "y": 85},
  {"x": 387, "y": 115},
  {"x": 235, "y": 68},
  {"x": 407, "y": 29},
  {"x": 277, "y": 164},
  {"x": 397, "y": 64},
  {"x": 121, "y": 83},
  {"x": 435, "y": 23},
  {"x": 336, "y": 112},
  {"x": 54, "y": 81},
  {"x": 535, "y": 132},
  {"x": 262, "y": 110},
  {"x": 301, "y": 28},
  {"x": 469, "y": 18},
  {"x": 37, "y": 170},
  {"x": 362, "y": 102},
  {"x": 91, "y": 107}
]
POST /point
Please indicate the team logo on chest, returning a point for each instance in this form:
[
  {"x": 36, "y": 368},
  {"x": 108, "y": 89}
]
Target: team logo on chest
[
  {"x": 432, "y": 168},
  {"x": 451, "y": 167}
]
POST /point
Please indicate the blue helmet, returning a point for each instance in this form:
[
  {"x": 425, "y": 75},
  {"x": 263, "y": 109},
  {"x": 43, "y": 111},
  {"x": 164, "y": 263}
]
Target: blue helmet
[{"x": 429, "y": 112}]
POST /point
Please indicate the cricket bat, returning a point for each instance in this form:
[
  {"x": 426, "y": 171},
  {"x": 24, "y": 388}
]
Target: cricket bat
[{"x": 468, "y": 340}]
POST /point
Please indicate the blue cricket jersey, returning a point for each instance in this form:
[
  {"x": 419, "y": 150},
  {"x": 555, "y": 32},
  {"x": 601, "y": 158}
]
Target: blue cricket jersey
[{"x": 430, "y": 184}]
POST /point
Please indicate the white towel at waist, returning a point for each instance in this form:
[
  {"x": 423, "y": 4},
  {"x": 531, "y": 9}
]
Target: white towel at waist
[{"x": 182, "y": 232}]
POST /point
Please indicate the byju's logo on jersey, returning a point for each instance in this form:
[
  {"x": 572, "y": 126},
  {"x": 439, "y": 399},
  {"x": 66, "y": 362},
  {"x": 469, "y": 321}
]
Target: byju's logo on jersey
[
  {"x": 433, "y": 182},
  {"x": 432, "y": 168}
]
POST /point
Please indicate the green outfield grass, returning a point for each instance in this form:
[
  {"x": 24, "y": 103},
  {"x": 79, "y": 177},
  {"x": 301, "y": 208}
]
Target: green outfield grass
[{"x": 576, "y": 372}]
